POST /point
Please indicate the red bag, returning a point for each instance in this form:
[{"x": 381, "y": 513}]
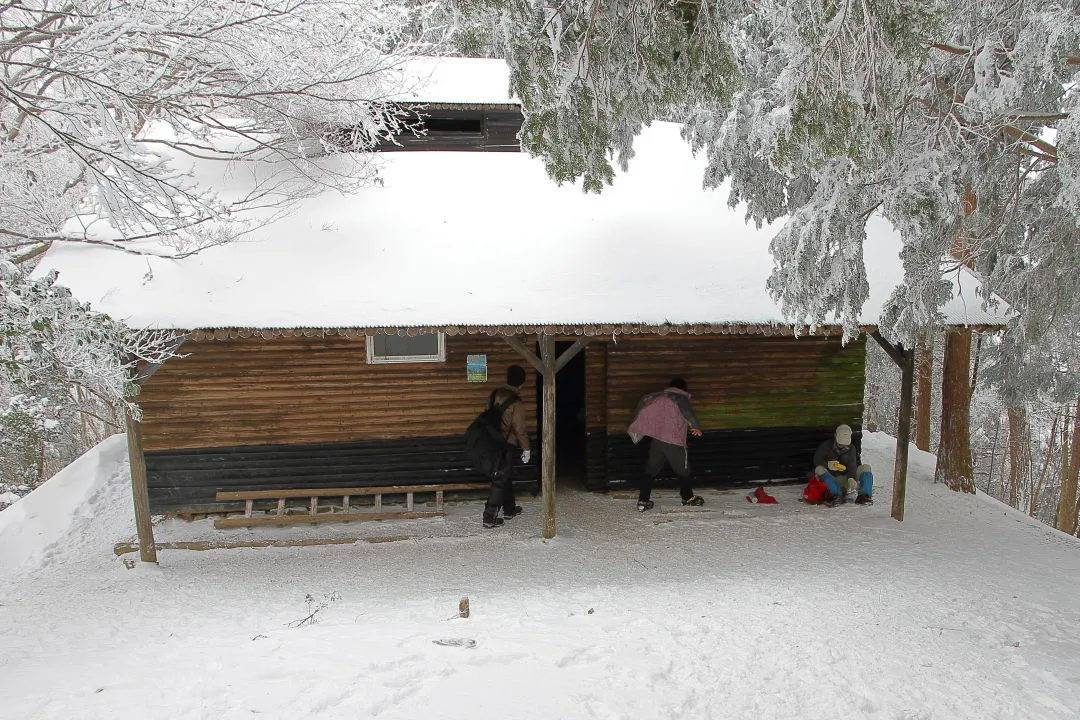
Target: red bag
[
  {"x": 816, "y": 491},
  {"x": 761, "y": 497}
]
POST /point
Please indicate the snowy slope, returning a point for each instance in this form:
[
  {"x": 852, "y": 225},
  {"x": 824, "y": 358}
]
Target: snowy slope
[{"x": 966, "y": 610}]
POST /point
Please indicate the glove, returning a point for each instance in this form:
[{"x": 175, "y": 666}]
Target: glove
[
  {"x": 836, "y": 466},
  {"x": 525, "y": 456}
]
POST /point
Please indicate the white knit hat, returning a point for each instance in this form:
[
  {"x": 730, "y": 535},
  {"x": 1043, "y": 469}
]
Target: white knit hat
[{"x": 843, "y": 435}]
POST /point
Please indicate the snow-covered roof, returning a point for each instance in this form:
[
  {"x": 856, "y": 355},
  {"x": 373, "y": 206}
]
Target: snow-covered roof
[
  {"x": 474, "y": 238},
  {"x": 475, "y": 81}
]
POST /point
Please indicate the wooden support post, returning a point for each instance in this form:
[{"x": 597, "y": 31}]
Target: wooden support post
[
  {"x": 547, "y": 477},
  {"x": 249, "y": 506},
  {"x": 439, "y": 500},
  {"x": 139, "y": 492},
  {"x": 905, "y": 360},
  {"x": 903, "y": 438},
  {"x": 345, "y": 503},
  {"x": 548, "y": 366},
  {"x": 281, "y": 506},
  {"x": 408, "y": 502},
  {"x": 314, "y": 505}
]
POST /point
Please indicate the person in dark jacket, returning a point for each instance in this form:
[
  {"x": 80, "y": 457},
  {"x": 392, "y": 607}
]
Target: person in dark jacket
[
  {"x": 664, "y": 417},
  {"x": 515, "y": 432},
  {"x": 837, "y": 464}
]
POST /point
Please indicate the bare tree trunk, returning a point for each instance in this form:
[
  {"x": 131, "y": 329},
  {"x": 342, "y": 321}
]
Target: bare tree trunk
[
  {"x": 993, "y": 456},
  {"x": 1019, "y": 452},
  {"x": 1036, "y": 487},
  {"x": 1070, "y": 469},
  {"x": 954, "y": 467},
  {"x": 924, "y": 367}
]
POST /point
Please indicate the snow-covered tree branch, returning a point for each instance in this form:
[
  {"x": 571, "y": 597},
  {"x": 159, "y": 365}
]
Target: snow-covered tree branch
[
  {"x": 99, "y": 99},
  {"x": 105, "y": 107},
  {"x": 956, "y": 122}
]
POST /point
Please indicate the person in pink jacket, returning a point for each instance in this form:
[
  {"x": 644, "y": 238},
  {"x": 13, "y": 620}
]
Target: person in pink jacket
[{"x": 664, "y": 418}]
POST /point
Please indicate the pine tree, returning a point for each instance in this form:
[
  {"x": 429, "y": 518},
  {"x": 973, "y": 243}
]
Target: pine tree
[{"x": 933, "y": 114}]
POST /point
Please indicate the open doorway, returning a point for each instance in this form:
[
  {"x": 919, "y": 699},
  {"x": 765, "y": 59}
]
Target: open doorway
[{"x": 569, "y": 416}]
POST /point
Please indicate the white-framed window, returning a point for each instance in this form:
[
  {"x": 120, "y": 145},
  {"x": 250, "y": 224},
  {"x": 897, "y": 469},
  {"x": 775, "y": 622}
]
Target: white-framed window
[{"x": 427, "y": 347}]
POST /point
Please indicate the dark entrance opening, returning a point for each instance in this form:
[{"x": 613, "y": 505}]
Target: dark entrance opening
[{"x": 569, "y": 417}]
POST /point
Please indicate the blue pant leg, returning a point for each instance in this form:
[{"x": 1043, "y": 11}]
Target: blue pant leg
[
  {"x": 866, "y": 483},
  {"x": 830, "y": 482}
]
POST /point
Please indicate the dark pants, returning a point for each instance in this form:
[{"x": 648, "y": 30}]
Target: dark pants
[
  {"x": 501, "y": 494},
  {"x": 675, "y": 456}
]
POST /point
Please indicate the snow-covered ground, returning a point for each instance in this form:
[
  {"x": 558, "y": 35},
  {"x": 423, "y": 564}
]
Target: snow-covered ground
[{"x": 965, "y": 610}]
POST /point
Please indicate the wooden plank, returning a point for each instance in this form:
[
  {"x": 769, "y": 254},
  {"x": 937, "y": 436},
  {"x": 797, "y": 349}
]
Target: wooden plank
[
  {"x": 201, "y": 545},
  {"x": 525, "y": 352},
  {"x": 569, "y": 353},
  {"x": 326, "y": 517},
  {"x": 248, "y": 507},
  {"x": 328, "y": 492}
]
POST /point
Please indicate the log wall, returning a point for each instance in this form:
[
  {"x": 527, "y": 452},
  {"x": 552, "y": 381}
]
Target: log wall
[
  {"x": 307, "y": 391},
  {"x": 250, "y": 414}
]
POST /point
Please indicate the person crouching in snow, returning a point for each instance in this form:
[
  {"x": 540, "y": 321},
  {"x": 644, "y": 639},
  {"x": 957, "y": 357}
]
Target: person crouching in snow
[
  {"x": 837, "y": 464},
  {"x": 664, "y": 418}
]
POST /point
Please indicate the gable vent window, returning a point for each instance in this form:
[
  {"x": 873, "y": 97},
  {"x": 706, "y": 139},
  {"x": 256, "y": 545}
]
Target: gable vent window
[
  {"x": 454, "y": 126},
  {"x": 429, "y": 347}
]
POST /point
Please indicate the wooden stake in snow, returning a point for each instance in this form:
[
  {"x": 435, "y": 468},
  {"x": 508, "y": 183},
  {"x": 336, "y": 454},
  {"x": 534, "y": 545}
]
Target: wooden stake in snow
[
  {"x": 139, "y": 492},
  {"x": 463, "y": 607}
]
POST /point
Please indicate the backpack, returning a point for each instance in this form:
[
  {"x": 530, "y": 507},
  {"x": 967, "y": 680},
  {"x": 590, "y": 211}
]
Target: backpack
[
  {"x": 816, "y": 491},
  {"x": 485, "y": 445}
]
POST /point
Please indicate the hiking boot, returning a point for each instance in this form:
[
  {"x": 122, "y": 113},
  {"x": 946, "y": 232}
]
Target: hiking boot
[
  {"x": 643, "y": 505},
  {"x": 834, "y": 501},
  {"x": 488, "y": 524},
  {"x": 694, "y": 500},
  {"x": 864, "y": 500},
  {"x": 512, "y": 513}
]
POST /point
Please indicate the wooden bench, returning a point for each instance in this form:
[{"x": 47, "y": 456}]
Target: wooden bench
[{"x": 346, "y": 494}]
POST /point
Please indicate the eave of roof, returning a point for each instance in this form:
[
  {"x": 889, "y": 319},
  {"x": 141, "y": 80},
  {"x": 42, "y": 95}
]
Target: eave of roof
[{"x": 591, "y": 330}]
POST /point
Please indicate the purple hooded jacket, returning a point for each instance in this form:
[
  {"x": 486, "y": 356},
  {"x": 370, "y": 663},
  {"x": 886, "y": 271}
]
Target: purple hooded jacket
[{"x": 664, "y": 415}]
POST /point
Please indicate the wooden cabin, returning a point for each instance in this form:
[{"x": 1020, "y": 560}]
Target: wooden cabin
[
  {"x": 251, "y": 409},
  {"x": 351, "y": 343}
]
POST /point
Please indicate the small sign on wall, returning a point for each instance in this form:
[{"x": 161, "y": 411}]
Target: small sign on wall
[{"x": 476, "y": 367}]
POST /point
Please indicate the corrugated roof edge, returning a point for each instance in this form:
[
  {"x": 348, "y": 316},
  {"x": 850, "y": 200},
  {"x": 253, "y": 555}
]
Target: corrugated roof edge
[{"x": 597, "y": 330}]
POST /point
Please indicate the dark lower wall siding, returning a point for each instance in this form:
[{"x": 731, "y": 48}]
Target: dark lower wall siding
[{"x": 186, "y": 479}]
